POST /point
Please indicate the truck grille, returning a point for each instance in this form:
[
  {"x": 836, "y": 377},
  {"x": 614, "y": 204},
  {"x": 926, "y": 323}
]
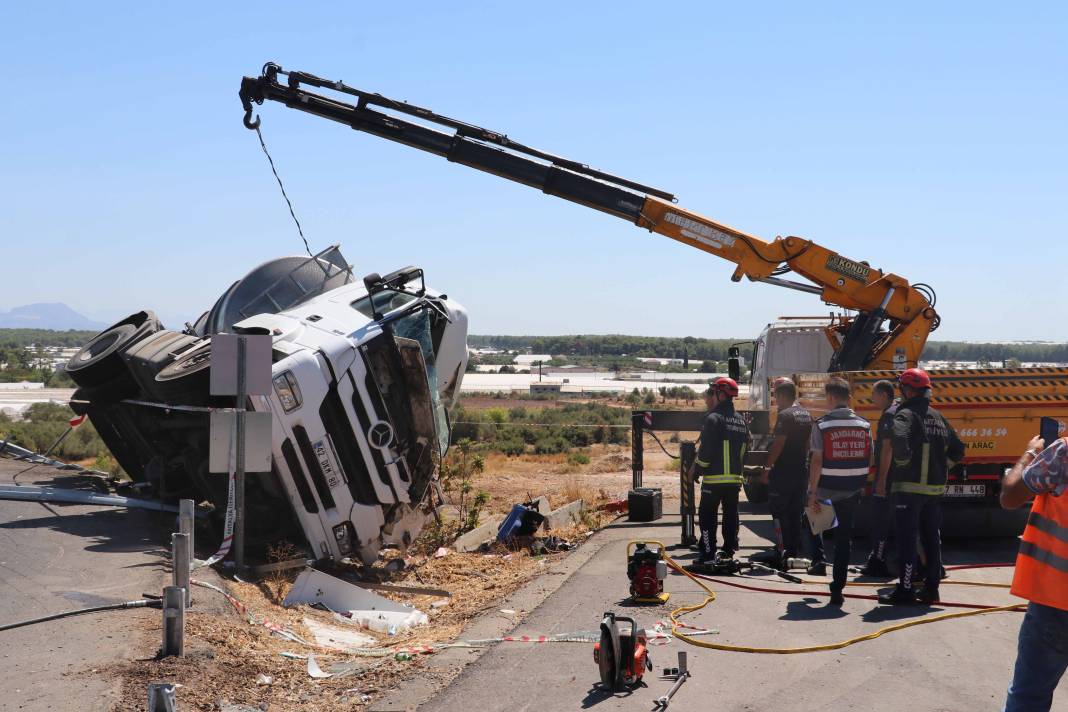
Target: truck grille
[
  {"x": 300, "y": 480},
  {"x": 337, "y": 423},
  {"x": 314, "y": 469}
]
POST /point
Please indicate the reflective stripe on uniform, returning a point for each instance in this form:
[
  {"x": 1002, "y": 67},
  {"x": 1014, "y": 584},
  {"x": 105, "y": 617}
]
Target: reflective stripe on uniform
[
  {"x": 844, "y": 472},
  {"x": 721, "y": 479},
  {"x": 1043, "y": 556},
  {"x": 702, "y": 463},
  {"x": 726, "y": 455},
  {"x": 1048, "y": 526},
  {"x": 843, "y": 423}
]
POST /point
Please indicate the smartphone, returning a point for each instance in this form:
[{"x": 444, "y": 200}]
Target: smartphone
[{"x": 1049, "y": 429}]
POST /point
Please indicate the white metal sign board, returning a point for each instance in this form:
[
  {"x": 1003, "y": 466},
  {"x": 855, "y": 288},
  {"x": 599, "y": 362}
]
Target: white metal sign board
[
  {"x": 223, "y": 440},
  {"x": 224, "y": 364}
]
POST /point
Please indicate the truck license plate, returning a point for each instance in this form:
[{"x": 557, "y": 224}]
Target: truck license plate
[{"x": 965, "y": 490}]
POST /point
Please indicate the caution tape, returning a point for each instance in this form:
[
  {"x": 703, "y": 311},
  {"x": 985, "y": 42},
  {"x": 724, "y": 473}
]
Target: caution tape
[
  {"x": 251, "y": 618},
  {"x": 228, "y": 529}
]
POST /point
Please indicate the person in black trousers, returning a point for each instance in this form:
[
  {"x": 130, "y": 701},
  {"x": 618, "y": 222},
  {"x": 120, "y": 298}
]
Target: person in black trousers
[{"x": 724, "y": 440}]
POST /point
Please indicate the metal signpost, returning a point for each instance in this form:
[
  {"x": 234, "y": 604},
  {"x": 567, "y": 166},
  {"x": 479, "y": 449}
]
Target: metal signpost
[{"x": 240, "y": 367}]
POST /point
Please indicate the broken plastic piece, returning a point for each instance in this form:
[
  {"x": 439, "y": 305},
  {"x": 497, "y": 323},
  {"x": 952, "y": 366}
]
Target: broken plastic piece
[{"x": 363, "y": 607}]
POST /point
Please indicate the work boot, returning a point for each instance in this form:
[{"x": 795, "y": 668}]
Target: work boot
[
  {"x": 837, "y": 599},
  {"x": 899, "y": 597},
  {"x": 928, "y": 596},
  {"x": 876, "y": 568},
  {"x": 818, "y": 568},
  {"x": 723, "y": 558}
]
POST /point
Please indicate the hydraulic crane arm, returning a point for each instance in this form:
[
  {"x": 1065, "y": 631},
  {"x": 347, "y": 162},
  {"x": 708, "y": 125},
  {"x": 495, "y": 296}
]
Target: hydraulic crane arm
[{"x": 860, "y": 342}]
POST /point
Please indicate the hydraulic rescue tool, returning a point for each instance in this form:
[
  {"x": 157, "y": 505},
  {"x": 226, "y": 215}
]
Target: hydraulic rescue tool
[
  {"x": 678, "y": 676},
  {"x": 622, "y": 655},
  {"x": 647, "y": 569},
  {"x": 730, "y": 567}
]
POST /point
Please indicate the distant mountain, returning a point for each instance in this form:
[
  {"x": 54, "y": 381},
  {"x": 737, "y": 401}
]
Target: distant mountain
[{"x": 47, "y": 316}]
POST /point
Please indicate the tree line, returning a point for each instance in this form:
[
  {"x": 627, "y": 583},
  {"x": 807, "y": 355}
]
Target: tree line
[
  {"x": 698, "y": 349},
  {"x": 689, "y": 348}
]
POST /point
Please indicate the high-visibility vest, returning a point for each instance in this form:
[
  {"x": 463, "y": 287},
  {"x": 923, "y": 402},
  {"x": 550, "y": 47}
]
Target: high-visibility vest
[
  {"x": 726, "y": 477},
  {"x": 846, "y": 439},
  {"x": 1042, "y": 564}
]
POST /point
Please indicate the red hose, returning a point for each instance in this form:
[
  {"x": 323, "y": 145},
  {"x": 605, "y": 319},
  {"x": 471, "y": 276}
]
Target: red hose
[
  {"x": 794, "y": 592},
  {"x": 980, "y": 566}
]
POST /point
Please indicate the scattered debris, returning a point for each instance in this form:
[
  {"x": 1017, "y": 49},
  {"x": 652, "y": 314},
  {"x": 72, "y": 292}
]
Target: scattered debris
[
  {"x": 338, "y": 638},
  {"x": 361, "y": 606},
  {"x": 262, "y": 679},
  {"x": 441, "y": 553}
]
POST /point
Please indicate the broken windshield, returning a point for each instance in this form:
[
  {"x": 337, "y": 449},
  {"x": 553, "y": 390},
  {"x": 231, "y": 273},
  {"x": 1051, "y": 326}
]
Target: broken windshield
[{"x": 402, "y": 366}]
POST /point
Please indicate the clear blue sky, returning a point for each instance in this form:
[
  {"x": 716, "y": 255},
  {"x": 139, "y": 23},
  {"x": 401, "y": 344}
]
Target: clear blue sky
[{"x": 928, "y": 139}]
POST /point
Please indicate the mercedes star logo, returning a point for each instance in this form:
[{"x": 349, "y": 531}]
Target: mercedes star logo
[{"x": 380, "y": 434}]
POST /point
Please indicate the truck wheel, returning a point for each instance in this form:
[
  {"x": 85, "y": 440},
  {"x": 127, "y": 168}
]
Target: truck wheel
[
  {"x": 100, "y": 361},
  {"x": 186, "y": 379}
]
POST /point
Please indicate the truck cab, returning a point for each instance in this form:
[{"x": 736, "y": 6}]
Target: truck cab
[{"x": 363, "y": 375}]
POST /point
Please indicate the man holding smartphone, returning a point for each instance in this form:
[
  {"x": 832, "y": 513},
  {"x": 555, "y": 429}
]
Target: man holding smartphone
[{"x": 1041, "y": 572}]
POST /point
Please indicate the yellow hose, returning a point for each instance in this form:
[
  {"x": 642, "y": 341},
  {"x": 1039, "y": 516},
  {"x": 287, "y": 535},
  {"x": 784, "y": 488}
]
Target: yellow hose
[{"x": 675, "y": 624}]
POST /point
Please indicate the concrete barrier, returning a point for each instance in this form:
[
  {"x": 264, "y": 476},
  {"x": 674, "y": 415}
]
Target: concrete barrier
[
  {"x": 475, "y": 538},
  {"x": 566, "y": 515}
]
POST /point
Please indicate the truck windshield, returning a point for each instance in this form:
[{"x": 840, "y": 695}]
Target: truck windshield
[
  {"x": 383, "y": 302},
  {"x": 403, "y": 370}
]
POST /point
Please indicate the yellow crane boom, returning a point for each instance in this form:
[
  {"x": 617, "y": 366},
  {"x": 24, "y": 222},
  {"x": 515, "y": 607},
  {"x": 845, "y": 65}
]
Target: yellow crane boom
[{"x": 893, "y": 317}]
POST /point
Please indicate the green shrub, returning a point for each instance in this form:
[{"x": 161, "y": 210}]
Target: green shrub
[{"x": 578, "y": 458}]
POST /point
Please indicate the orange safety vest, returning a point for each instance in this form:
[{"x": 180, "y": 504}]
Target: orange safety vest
[{"x": 1042, "y": 564}]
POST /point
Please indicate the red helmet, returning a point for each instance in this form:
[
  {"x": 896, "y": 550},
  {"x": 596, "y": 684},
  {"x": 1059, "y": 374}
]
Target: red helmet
[
  {"x": 725, "y": 385},
  {"x": 915, "y": 378}
]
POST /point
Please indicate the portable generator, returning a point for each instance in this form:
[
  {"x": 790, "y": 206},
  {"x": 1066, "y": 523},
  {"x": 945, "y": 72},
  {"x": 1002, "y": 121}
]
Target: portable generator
[
  {"x": 622, "y": 656},
  {"x": 647, "y": 569}
]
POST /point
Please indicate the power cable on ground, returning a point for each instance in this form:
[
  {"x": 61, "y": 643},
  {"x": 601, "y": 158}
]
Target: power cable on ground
[{"x": 143, "y": 603}]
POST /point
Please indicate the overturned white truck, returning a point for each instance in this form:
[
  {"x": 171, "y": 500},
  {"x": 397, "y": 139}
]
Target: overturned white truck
[{"x": 364, "y": 375}]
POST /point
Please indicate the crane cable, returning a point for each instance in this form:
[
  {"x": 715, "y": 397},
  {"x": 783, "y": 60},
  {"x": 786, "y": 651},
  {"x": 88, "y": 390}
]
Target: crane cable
[{"x": 676, "y": 625}]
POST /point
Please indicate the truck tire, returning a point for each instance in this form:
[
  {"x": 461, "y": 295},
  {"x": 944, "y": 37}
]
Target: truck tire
[
  {"x": 149, "y": 357},
  {"x": 186, "y": 379},
  {"x": 100, "y": 361}
]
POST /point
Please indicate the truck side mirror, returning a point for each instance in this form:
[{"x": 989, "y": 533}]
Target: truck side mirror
[{"x": 734, "y": 363}]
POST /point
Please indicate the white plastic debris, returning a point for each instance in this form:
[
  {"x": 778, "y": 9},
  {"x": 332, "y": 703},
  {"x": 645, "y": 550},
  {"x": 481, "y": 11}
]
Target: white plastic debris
[
  {"x": 441, "y": 553},
  {"x": 338, "y": 638},
  {"x": 262, "y": 679},
  {"x": 314, "y": 670},
  {"x": 358, "y": 605}
]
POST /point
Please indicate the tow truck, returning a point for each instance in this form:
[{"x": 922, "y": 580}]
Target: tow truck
[{"x": 881, "y": 329}]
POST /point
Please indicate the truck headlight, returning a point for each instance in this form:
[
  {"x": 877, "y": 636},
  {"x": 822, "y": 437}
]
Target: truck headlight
[
  {"x": 343, "y": 536},
  {"x": 287, "y": 390}
]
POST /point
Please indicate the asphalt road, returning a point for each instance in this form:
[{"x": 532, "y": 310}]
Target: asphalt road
[
  {"x": 951, "y": 665},
  {"x": 59, "y": 557}
]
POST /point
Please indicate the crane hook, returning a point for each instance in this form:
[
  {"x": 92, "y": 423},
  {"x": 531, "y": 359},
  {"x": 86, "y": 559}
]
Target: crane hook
[{"x": 249, "y": 122}]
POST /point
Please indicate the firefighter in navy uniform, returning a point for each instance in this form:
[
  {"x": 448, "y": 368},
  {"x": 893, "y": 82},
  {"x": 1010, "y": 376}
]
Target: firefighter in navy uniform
[
  {"x": 882, "y": 397},
  {"x": 786, "y": 471},
  {"x": 925, "y": 448},
  {"x": 724, "y": 440}
]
